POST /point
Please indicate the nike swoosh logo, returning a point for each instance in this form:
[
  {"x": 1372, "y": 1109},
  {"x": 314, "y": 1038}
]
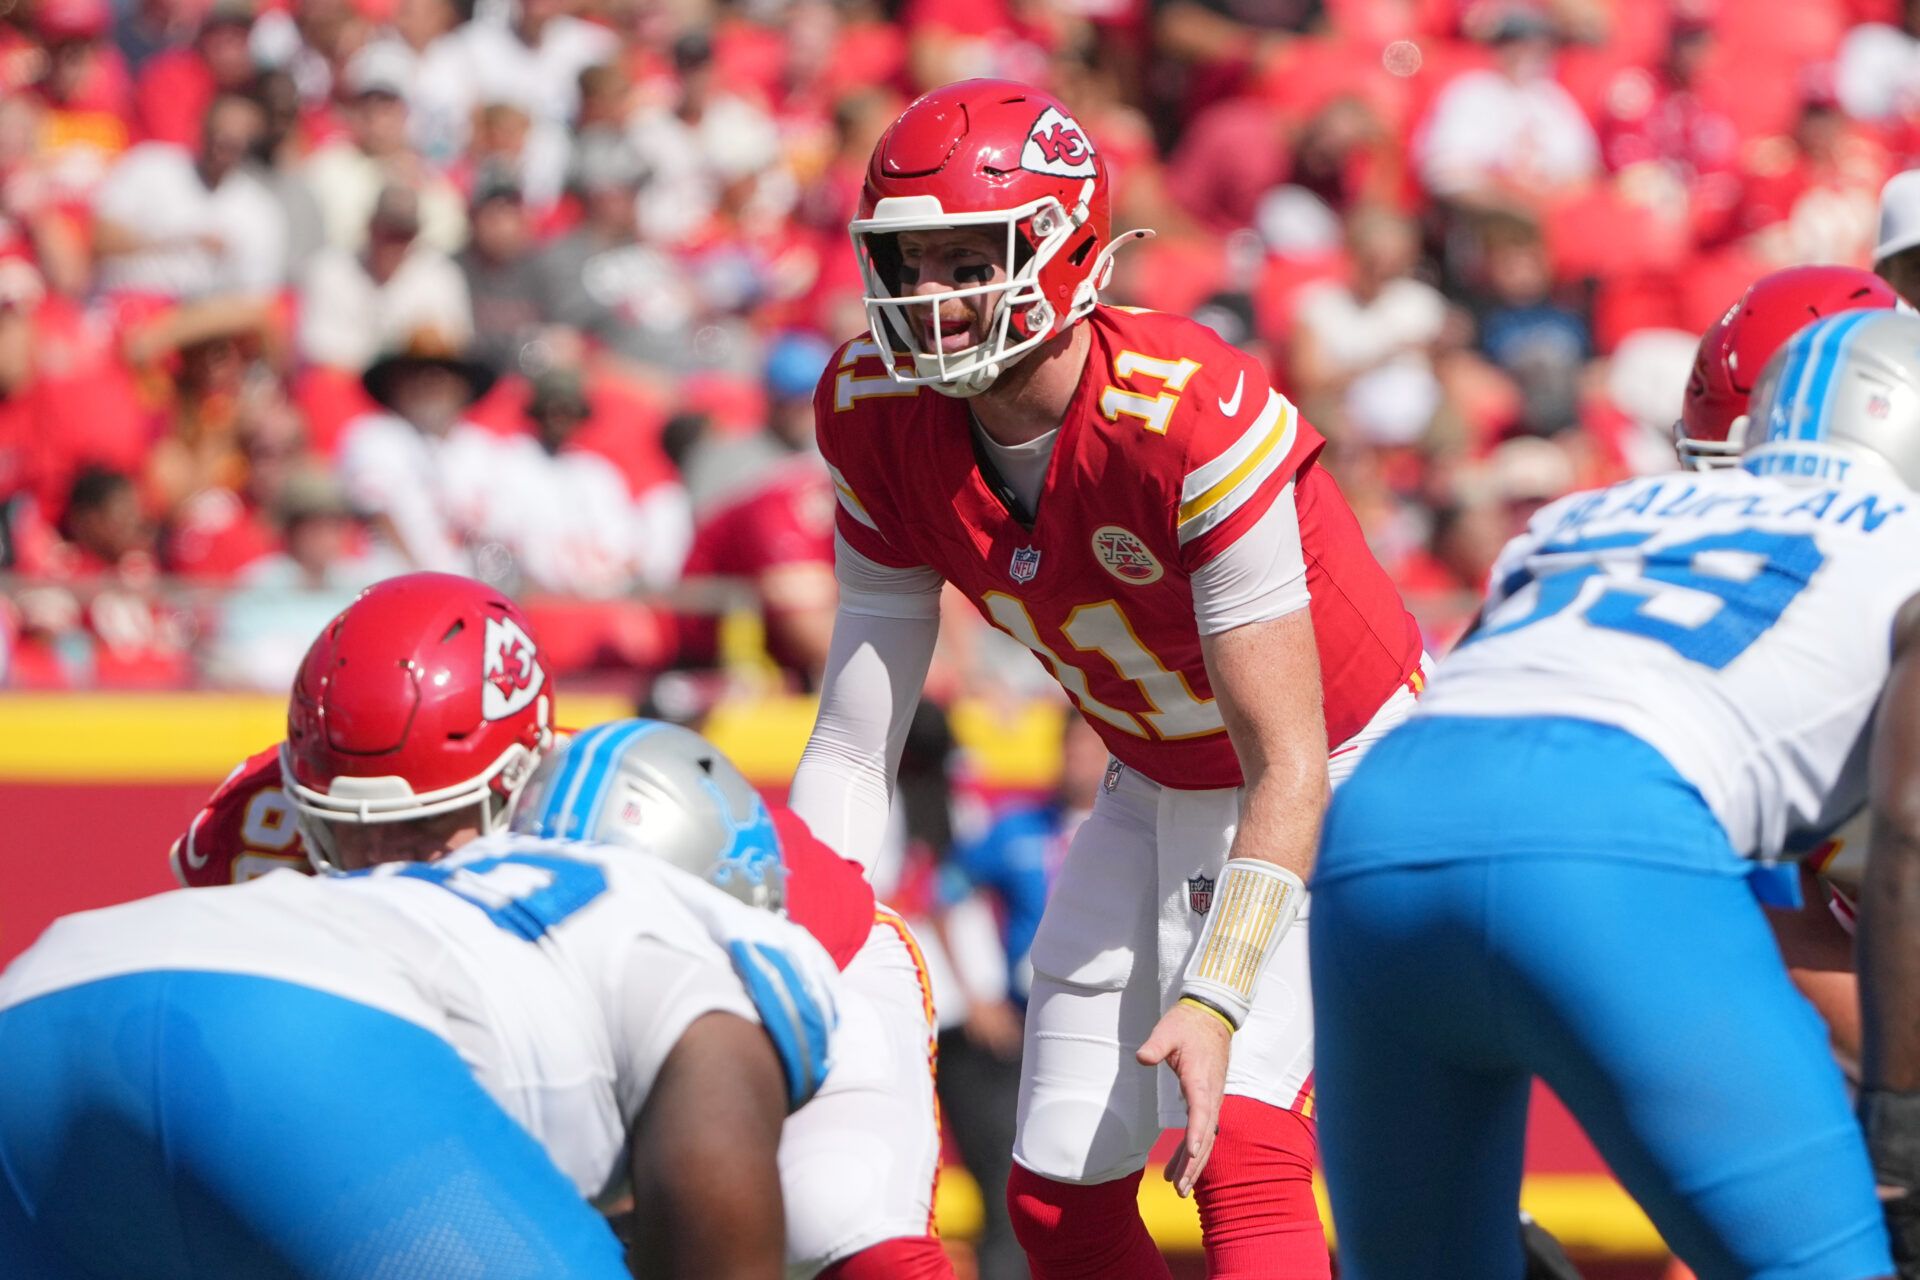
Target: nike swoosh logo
[{"x": 1231, "y": 404}]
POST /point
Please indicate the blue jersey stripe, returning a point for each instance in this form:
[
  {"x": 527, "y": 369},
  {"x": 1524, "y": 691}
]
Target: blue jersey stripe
[{"x": 1839, "y": 337}]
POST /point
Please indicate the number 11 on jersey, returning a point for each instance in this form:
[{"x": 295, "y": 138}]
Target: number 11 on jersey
[{"x": 1103, "y": 629}]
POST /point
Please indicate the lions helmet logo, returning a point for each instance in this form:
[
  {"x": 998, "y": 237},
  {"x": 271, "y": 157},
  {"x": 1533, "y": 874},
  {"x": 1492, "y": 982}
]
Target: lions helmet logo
[
  {"x": 1057, "y": 145},
  {"x": 511, "y": 676}
]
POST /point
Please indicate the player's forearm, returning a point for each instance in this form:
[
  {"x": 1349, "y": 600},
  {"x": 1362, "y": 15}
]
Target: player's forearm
[
  {"x": 1889, "y": 946},
  {"x": 843, "y": 788},
  {"x": 705, "y": 1166},
  {"x": 1266, "y": 677},
  {"x": 1280, "y": 817}
]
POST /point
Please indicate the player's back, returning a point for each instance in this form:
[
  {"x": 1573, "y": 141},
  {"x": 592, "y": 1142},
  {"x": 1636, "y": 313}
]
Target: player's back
[
  {"x": 563, "y": 974},
  {"x": 1738, "y": 624}
]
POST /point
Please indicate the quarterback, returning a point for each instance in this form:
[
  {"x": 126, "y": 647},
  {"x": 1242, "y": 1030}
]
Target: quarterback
[
  {"x": 1123, "y": 493},
  {"x": 421, "y": 719},
  {"x": 1674, "y": 680}
]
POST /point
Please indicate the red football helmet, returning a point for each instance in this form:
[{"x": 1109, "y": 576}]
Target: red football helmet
[
  {"x": 1738, "y": 345},
  {"x": 424, "y": 696},
  {"x": 996, "y": 154}
]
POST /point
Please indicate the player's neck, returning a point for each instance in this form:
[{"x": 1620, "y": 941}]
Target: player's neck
[{"x": 1031, "y": 399}]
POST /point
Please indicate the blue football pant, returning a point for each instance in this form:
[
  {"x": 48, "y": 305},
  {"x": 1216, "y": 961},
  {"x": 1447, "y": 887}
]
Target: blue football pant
[
  {"x": 179, "y": 1125},
  {"x": 1651, "y": 999}
]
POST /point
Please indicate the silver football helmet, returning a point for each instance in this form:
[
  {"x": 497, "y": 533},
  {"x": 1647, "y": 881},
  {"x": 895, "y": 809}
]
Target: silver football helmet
[
  {"x": 661, "y": 789},
  {"x": 1840, "y": 402}
]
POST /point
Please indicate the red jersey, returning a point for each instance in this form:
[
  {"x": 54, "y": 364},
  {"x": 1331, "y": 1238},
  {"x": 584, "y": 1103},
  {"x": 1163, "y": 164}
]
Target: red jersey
[
  {"x": 247, "y": 829},
  {"x": 779, "y": 536},
  {"x": 1173, "y": 446}
]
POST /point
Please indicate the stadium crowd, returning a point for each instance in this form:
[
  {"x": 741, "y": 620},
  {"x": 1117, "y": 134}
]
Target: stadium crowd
[{"x": 295, "y": 295}]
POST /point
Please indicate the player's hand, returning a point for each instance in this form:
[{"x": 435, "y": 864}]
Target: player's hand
[{"x": 1195, "y": 1045}]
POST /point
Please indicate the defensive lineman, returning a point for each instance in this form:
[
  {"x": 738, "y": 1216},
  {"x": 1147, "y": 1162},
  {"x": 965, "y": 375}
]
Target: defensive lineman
[
  {"x": 1672, "y": 678},
  {"x": 337, "y": 1076},
  {"x": 1124, "y": 494}
]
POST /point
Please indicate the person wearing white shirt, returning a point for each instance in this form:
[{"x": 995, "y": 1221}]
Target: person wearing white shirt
[
  {"x": 171, "y": 223},
  {"x": 1510, "y": 129},
  {"x": 359, "y": 304}
]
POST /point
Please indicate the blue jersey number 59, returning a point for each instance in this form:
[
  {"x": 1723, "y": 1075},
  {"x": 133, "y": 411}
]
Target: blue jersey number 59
[{"x": 1748, "y": 605}]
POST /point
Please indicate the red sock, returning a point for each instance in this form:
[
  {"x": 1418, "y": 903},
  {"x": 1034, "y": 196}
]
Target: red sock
[
  {"x": 1083, "y": 1232},
  {"x": 1257, "y": 1210},
  {"x": 907, "y": 1258}
]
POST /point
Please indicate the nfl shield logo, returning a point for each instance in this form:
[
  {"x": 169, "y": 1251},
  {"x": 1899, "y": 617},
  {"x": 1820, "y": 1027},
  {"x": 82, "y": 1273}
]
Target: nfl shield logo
[
  {"x": 1200, "y": 893},
  {"x": 1026, "y": 563}
]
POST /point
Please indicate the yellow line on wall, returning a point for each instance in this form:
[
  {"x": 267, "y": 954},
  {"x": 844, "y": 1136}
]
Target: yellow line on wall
[{"x": 1587, "y": 1212}]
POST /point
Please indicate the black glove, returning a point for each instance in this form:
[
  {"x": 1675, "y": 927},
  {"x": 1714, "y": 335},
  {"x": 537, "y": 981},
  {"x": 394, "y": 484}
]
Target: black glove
[
  {"x": 1892, "y": 1124},
  {"x": 1546, "y": 1260}
]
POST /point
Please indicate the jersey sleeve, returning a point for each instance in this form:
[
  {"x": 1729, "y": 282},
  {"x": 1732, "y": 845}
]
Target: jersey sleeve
[
  {"x": 1245, "y": 443},
  {"x": 245, "y": 830},
  {"x": 666, "y": 989},
  {"x": 857, "y": 374},
  {"x": 827, "y": 895}
]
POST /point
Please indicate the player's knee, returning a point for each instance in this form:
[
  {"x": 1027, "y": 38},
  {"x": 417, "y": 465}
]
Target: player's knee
[
  {"x": 907, "y": 1258},
  {"x": 1258, "y": 1215},
  {"x": 1061, "y": 1219}
]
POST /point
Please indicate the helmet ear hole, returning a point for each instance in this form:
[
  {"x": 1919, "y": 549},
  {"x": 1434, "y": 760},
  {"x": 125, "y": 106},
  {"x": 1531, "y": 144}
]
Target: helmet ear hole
[{"x": 1081, "y": 250}]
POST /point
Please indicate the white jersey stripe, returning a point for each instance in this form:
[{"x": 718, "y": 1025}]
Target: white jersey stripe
[
  {"x": 849, "y": 500},
  {"x": 1276, "y": 412},
  {"x": 1242, "y": 488}
]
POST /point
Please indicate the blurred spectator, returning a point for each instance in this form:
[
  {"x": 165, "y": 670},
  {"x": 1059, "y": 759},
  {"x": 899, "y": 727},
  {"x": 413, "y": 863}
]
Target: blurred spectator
[
  {"x": 348, "y": 174},
  {"x": 174, "y": 90},
  {"x": 1524, "y": 330},
  {"x": 695, "y": 146},
  {"x": 209, "y": 350},
  {"x": 284, "y": 599},
  {"x": 223, "y": 528},
  {"x": 565, "y": 514},
  {"x": 532, "y": 60},
  {"x": 92, "y": 620},
  {"x": 950, "y": 40},
  {"x": 776, "y": 531},
  {"x": 417, "y": 467},
  {"x": 82, "y": 88},
  {"x": 503, "y": 280},
  {"x": 1809, "y": 196},
  {"x": 1877, "y": 71},
  {"x": 1896, "y": 258},
  {"x": 604, "y": 279},
  {"x": 277, "y": 155},
  {"x": 1661, "y": 134},
  {"x": 1366, "y": 345},
  {"x": 172, "y": 224},
  {"x": 1509, "y": 134},
  {"x": 359, "y": 304}
]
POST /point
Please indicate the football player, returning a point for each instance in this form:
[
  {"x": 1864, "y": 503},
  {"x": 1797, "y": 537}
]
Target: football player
[
  {"x": 1675, "y": 679},
  {"x": 1124, "y": 494},
  {"x": 338, "y": 1075},
  {"x": 416, "y": 722},
  {"x": 1737, "y": 346}
]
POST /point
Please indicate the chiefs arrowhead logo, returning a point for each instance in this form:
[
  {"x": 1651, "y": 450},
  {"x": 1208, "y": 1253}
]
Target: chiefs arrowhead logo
[
  {"x": 1058, "y": 145},
  {"x": 511, "y": 677}
]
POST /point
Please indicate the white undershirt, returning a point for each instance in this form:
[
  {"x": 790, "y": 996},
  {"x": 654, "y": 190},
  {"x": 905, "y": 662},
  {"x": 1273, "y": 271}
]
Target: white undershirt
[
  {"x": 883, "y": 640},
  {"x": 1022, "y": 466}
]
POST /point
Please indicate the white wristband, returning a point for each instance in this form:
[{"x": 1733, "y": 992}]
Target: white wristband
[{"x": 1254, "y": 907}]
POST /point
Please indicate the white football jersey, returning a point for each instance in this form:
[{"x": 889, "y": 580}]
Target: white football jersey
[
  {"x": 564, "y": 974},
  {"x": 1739, "y": 625}
]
